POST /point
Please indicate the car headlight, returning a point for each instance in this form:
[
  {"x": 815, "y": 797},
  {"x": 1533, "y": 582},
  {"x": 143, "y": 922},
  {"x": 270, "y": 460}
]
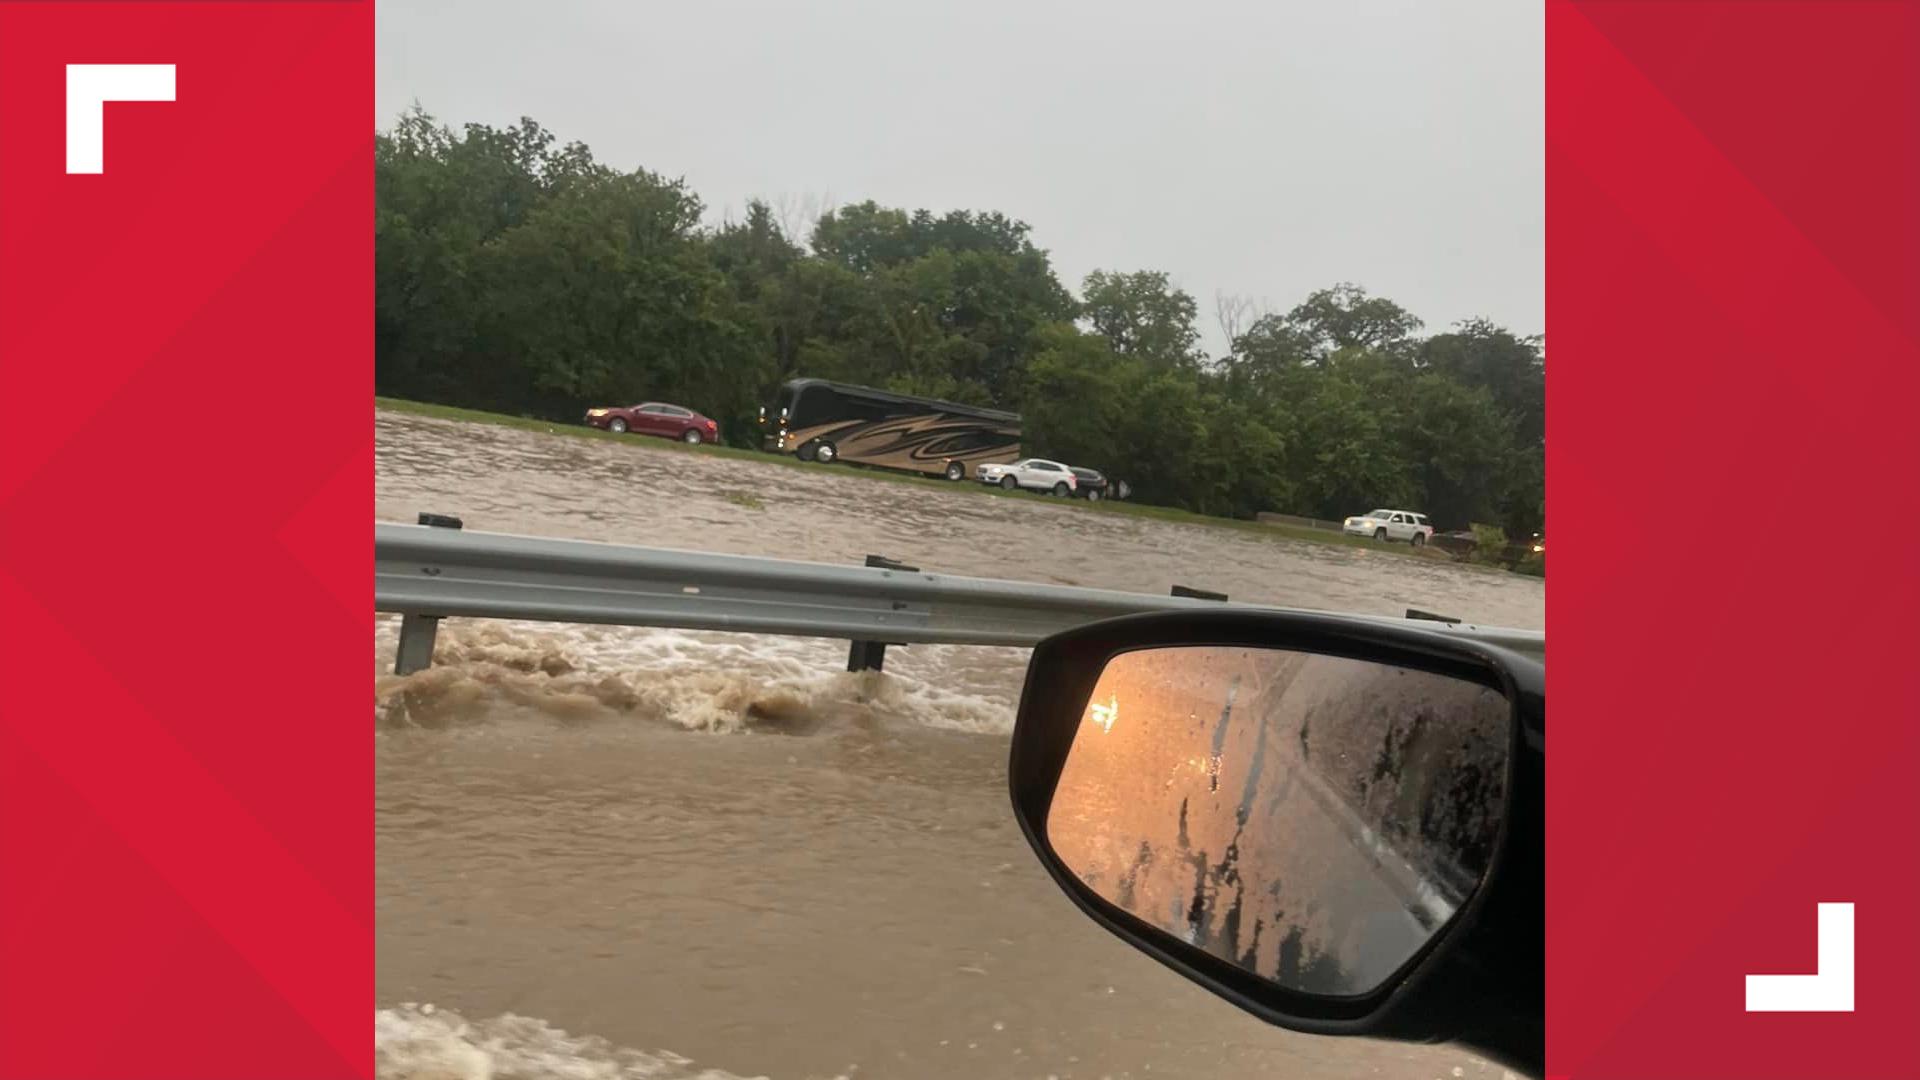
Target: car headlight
[{"x": 596, "y": 412}]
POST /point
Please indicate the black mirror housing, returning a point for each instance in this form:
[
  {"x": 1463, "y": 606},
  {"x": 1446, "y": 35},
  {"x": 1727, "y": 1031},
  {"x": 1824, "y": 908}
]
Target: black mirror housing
[{"x": 1479, "y": 980}]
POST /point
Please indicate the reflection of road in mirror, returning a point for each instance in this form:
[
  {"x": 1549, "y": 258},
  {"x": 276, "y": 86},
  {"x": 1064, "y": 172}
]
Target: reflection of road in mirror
[{"x": 1312, "y": 819}]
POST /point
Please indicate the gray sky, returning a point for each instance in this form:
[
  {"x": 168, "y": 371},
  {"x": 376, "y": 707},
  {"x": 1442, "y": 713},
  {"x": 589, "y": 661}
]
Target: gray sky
[{"x": 1261, "y": 147}]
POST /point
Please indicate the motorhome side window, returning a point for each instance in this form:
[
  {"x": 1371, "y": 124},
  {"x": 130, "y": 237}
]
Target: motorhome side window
[{"x": 866, "y": 409}]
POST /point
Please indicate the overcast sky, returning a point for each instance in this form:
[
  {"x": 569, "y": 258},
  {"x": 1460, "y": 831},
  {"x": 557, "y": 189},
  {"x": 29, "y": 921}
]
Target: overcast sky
[{"x": 1260, "y": 147}]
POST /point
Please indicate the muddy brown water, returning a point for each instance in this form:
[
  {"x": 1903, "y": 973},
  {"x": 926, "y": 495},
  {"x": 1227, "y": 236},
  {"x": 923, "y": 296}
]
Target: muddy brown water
[{"x": 609, "y": 852}]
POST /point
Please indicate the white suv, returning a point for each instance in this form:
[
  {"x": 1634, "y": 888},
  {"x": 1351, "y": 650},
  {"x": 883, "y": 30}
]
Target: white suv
[
  {"x": 1391, "y": 525},
  {"x": 1034, "y": 474}
]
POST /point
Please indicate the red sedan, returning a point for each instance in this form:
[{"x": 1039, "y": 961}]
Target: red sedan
[{"x": 657, "y": 418}]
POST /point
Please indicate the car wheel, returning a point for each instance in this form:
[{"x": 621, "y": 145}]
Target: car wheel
[
  {"x": 691, "y": 437},
  {"x": 1094, "y": 495},
  {"x": 956, "y": 471},
  {"x": 1061, "y": 489},
  {"x": 825, "y": 454},
  {"x": 805, "y": 453},
  {"x": 617, "y": 426},
  {"x": 1380, "y": 535},
  {"x": 1419, "y": 539},
  {"x": 1008, "y": 483}
]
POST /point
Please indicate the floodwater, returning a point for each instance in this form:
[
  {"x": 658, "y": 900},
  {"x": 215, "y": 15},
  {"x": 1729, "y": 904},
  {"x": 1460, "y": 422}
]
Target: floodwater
[{"x": 607, "y": 853}]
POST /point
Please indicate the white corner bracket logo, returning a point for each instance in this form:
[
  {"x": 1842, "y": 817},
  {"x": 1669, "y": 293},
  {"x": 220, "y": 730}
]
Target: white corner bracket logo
[
  {"x": 1829, "y": 988},
  {"x": 89, "y": 88}
]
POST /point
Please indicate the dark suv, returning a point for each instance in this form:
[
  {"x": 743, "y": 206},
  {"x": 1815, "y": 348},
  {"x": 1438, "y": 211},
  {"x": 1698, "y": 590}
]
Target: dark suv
[{"x": 1093, "y": 486}]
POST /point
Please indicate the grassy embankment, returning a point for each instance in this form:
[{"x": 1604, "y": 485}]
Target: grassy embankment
[{"x": 1105, "y": 506}]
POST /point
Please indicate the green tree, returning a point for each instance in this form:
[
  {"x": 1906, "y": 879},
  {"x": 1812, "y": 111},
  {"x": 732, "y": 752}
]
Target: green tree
[
  {"x": 1347, "y": 461},
  {"x": 1345, "y": 317},
  {"x": 955, "y": 300},
  {"x": 1142, "y": 315},
  {"x": 605, "y": 294},
  {"x": 1512, "y": 369},
  {"x": 1244, "y": 458},
  {"x": 1077, "y": 397},
  {"x": 1456, "y": 441},
  {"x": 865, "y": 237}
]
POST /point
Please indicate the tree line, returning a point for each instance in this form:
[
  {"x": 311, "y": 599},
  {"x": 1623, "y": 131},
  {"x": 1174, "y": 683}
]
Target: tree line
[{"x": 519, "y": 275}]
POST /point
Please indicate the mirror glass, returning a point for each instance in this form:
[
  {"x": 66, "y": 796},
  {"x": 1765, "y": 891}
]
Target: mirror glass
[{"x": 1312, "y": 819}]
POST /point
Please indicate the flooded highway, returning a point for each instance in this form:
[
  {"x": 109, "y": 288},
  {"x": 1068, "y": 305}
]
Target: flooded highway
[{"x": 623, "y": 852}]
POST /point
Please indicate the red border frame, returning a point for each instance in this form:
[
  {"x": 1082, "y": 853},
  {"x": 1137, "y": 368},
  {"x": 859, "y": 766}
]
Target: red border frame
[
  {"x": 185, "y": 490},
  {"x": 1732, "y": 304}
]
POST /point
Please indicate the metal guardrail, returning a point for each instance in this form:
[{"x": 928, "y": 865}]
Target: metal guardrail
[
  {"x": 1266, "y": 518},
  {"x": 427, "y": 573}
]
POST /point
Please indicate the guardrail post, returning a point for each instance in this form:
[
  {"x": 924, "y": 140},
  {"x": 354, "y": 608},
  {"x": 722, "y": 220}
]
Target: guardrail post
[
  {"x": 417, "y": 632},
  {"x": 872, "y": 655},
  {"x": 1198, "y": 594}
]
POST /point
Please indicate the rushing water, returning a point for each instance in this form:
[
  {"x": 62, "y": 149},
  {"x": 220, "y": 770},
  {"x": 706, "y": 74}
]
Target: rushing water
[{"x": 597, "y": 843}]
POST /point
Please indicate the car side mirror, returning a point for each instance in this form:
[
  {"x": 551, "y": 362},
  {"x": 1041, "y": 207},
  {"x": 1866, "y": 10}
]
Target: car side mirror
[{"x": 1333, "y": 823}]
